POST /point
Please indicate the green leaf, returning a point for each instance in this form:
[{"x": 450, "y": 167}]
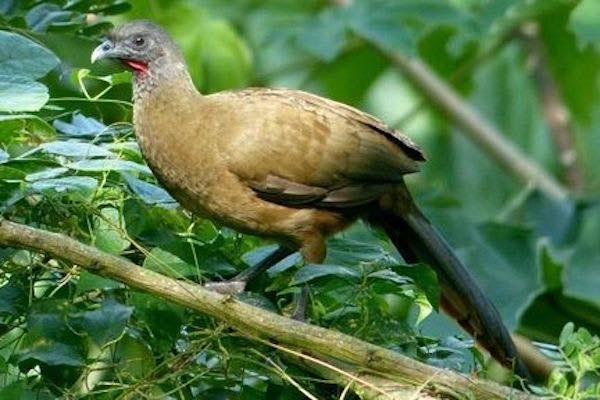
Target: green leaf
[
  {"x": 325, "y": 35},
  {"x": 105, "y": 324},
  {"x": 134, "y": 358},
  {"x": 389, "y": 275},
  {"x": 82, "y": 126},
  {"x": 40, "y": 17},
  {"x": 21, "y": 57},
  {"x": 109, "y": 231},
  {"x": 51, "y": 353},
  {"x": 46, "y": 174},
  {"x": 105, "y": 165},
  {"x": 345, "y": 251},
  {"x": 4, "y": 156},
  {"x": 379, "y": 23},
  {"x": 163, "y": 318},
  {"x": 501, "y": 17},
  {"x": 13, "y": 299},
  {"x": 314, "y": 271},
  {"x": 424, "y": 278},
  {"x": 76, "y": 149},
  {"x": 551, "y": 271},
  {"x": 88, "y": 281},
  {"x": 49, "y": 338},
  {"x": 83, "y": 186},
  {"x": 168, "y": 264},
  {"x": 584, "y": 22},
  {"x": 149, "y": 193},
  {"x": 21, "y": 94}
]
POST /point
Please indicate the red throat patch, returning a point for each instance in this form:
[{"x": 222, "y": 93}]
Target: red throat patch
[{"x": 137, "y": 66}]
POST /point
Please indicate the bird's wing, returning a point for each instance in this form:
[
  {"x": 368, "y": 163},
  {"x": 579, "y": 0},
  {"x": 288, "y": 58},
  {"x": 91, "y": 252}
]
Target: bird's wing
[{"x": 299, "y": 149}]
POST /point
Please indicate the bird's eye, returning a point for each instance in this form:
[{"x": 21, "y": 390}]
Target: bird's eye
[{"x": 139, "y": 41}]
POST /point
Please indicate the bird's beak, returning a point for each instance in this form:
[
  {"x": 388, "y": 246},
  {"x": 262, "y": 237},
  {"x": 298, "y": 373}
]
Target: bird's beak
[{"x": 105, "y": 50}]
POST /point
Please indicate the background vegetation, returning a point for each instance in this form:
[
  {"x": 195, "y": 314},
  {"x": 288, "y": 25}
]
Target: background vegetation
[{"x": 69, "y": 163}]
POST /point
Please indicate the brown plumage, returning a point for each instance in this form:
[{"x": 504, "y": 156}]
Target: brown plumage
[{"x": 289, "y": 166}]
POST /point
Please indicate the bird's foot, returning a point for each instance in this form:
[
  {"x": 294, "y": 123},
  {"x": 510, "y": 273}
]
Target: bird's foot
[{"x": 227, "y": 287}]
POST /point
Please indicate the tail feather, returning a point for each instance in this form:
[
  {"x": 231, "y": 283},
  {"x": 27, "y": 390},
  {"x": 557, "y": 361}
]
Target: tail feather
[{"x": 418, "y": 241}]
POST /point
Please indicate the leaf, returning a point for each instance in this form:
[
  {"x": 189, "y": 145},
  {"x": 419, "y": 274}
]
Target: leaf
[
  {"x": 21, "y": 57},
  {"x": 51, "y": 353},
  {"x": 40, "y": 17},
  {"x": 21, "y": 94},
  {"x": 379, "y": 23},
  {"x": 109, "y": 231},
  {"x": 105, "y": 324},
  {"x": 4, "y": 156},
  {"x": 49, "y": 338},
  {"x": 584, "y": 22},
  {"x": 501, "y": 17},
  {"x": 105, "y": 165},
  {"x": 325, "y": 35},
  {"x": 134, "y": 357},
  {"x": 168, "y": 264},
  {"x": 76, "y": 149},
  {"x": 88, "y": 281},
  {"x": 163, "y": 318},
  {"x": 345, "y": 251},
  {"x": 13, "y": 299},
  {"x": 81, "y": 126},
  {"x": 425, "y": 278},
  {"x": 83, "y": 186},
  {"x": 552, "y": 272},
  {"x": 314, "y": 271},
  {"x": 389, "y": 275},
  {"x": 46, "y": 174},
  {"x": 149, "y": 193}
]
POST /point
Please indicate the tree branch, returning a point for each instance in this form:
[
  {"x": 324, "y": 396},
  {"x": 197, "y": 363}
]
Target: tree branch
[
  {"x": 482, "y": 132},
  {"x": 555, "y": 112},
  {"x": 256, "y": 322}
]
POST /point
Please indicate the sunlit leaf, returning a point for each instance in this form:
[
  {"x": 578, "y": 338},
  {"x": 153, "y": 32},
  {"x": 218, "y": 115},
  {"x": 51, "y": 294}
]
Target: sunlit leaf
[
  {"x": 76, "y": 149},
  {"x": 21, "y": 94},
  {"x": 149, "y": 193},
  {"x": 21, "y": 57},
  {"x": 103, "y": 165},
  {"x": 80, "y": 125},
  {"x": 584, "y": 22},
  {"x": 82, "y": 185}
]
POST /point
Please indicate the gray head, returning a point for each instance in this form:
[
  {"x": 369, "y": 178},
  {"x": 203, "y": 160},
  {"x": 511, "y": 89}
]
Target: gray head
[{"x": 141, "y": 45}]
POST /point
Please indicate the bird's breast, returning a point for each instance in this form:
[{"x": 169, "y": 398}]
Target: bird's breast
[{"x": 173, "y": 148}]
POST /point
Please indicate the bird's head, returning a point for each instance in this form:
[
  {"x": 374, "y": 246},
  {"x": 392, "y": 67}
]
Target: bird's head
[{"x": 141, "y": 45}]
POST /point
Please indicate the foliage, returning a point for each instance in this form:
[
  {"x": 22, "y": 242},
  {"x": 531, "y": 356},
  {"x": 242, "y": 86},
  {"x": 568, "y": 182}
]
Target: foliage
[{"x": 69, "y": 163}]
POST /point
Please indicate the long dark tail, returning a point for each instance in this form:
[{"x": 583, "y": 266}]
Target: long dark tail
[{"x": 418, "y": 241}]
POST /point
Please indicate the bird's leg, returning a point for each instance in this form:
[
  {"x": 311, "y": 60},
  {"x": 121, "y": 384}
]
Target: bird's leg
[
  {"x": 313, "y": 251},
  {"x": 238, "y": 283},
  {"x": 300, "y": 304}
]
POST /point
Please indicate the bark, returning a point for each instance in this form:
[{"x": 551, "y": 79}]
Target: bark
[{"x": 376, "y": 362}]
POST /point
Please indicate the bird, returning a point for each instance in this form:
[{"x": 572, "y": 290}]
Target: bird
[{"x": 289, "y": 166}]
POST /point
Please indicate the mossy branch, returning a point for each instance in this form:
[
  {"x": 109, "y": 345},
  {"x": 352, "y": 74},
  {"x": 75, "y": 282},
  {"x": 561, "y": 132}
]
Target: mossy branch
[{"x": 260, "y": 324}]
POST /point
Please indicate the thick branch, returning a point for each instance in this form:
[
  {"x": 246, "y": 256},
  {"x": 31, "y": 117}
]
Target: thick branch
[
  {"x": 483, "y": 133},
  {"x": 254, "y": 321}
]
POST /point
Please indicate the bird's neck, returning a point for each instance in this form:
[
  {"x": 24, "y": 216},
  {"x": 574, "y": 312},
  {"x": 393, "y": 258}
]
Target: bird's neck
[{"x": 156, "y": 79}]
